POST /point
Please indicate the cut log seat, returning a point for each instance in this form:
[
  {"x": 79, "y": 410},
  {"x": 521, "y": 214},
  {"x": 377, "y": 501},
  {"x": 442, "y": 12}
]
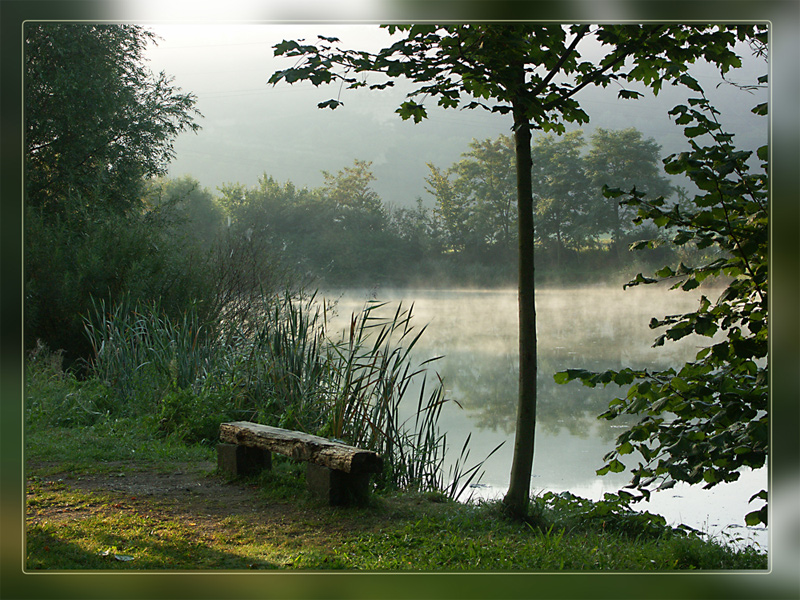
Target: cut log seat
[{"x": 337, "y": 472}]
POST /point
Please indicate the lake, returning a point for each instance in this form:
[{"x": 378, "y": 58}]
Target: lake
[{"x": 596, "y": 328}]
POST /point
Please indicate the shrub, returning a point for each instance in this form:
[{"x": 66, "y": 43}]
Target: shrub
[
  {"x": 280, "y": 368},
  {"x": 55, "y": 398}
]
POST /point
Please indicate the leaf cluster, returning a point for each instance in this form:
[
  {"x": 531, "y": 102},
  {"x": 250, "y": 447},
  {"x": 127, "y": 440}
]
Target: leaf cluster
[
  {"x": 493, "y": 66},
  {"x": 702, "y": 423},
  {"x": 96, "y": 119}
]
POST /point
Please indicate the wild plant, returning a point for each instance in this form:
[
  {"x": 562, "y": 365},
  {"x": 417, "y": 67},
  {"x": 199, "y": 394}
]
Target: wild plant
[
  {"x": 140, "y": 352},
  {"x": 370, "y": 373},
  {"x": 54, "y": 396},
  {"x": 277, "y": 363},
  {"x": 280, "y": 367}
]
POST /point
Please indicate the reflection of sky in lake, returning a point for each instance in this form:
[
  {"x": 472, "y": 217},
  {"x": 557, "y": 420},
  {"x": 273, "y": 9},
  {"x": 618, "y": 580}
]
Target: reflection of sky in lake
[{"x": 595, "y": 328}]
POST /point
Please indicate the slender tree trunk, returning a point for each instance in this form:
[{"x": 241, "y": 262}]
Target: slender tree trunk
[
  {"x": 617, "y": 234},
  {"x": 517, "y": 497},
  {"x": 559, "y": 247}
]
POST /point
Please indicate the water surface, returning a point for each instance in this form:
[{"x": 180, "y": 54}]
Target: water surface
[{"x": 595, "y": 328}]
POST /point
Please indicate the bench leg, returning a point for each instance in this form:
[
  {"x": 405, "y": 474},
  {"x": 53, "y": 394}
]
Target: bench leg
[
  {"x": 337, "y": 487},
  {"x": 242, "y": 460}
]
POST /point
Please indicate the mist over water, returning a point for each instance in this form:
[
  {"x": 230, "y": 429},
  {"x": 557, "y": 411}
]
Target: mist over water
[{"x": 595, "y": 328}]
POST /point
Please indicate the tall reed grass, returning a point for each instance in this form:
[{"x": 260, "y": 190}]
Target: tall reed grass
[
  {"x": 140, "y": 352},
  {"x": 283, "y": 368},
  {"x": 371, "y": 374}
]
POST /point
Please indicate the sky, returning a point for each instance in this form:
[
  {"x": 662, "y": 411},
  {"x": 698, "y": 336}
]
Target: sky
[{"x": 251, "y": 128}]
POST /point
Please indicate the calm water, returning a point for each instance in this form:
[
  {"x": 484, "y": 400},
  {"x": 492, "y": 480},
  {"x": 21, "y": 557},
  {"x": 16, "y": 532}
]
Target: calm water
[{"x": 595, "y": 328}]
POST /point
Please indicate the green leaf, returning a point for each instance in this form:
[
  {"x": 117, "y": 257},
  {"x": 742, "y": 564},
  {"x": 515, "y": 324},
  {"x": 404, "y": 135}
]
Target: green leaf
[
  {"x": 661, "y": 221},
  {"x": 691, "y": 83},
  {"x": 682, "y": 237},
  {"x": 624, "y": 377},
  {"x": 284, "y": 47},
  {"x": 616, "y": 466},
  {"x": 757, "y": 517},
  {"x": 665, "y": 272},
  {"x": 563, "y": 377},
  {"x": 690, "y": 284},
  {"x": 642, "y": 244},
  {"x": 413, "y": 110},
  {"x": 691, "y": 132},
  {"x": 422, "y": 30},
  {"x": 609, "y": 192},
  {"x": 626, "y": 94},
  {"x": 679, "y": 384},
  {"x": 726, "y": 167},
  {"x": 330, "y": 104}
]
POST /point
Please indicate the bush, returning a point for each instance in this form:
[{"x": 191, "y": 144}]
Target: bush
[
  {"x": 193, "y": 418},
  {"x": 612, "y": 513},
  {"x": 55, "y": 398}
]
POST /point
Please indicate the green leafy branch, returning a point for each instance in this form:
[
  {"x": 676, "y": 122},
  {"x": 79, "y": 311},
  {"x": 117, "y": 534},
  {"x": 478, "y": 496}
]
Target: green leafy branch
[{"x": 704, "y": 422}]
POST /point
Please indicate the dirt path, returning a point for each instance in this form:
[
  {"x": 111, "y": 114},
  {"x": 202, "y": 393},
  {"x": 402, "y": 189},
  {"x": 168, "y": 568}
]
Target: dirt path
[
  {"x": 189, "y": 492},
  {"x": 193, "y": 492},
  {"x": 192, "y": 485}
]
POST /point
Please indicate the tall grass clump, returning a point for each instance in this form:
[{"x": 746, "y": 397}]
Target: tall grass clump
[
  {"x": 371, "y": 372},
  {"x": 55, "y": 398},
  {"x": 281, "y": 367},
  {"x": 141, "y": 353},
  {"x": 193, "y": 375},
  {"x": 274, "y": 363}
]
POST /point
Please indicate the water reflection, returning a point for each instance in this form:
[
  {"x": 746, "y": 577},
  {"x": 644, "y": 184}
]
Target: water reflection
[
  {"x": 476, "y": 334},
  {"x": 595, "y": 328}
]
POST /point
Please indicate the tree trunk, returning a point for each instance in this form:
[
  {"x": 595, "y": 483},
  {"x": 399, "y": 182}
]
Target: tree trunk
[
  {"x": 517, "y": 497},
  {"x": 617, "y": 234},
  {"x": 559, "y": 246}
]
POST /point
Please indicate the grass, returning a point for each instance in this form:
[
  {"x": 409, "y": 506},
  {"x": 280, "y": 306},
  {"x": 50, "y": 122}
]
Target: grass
[
  {"x": 70, "y": 529},
  {"x": 85, "y": 514},
  {"x": 110, "y": 489}
]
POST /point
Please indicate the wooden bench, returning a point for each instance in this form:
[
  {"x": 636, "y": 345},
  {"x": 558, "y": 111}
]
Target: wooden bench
[{"x": 336, "y": 472}]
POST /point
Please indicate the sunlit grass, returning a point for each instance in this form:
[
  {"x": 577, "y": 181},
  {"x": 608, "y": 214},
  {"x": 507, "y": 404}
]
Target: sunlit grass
[
  {"x": 108, "y": 441},
  {"x": 398, "y": 533}
]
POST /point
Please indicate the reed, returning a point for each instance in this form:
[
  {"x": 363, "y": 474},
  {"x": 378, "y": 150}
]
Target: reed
[
  {"x": 140, "y": 352},
  {"x": 277, "y": 363},
  {"x": 281, "y": 367},
  {"x": 371, "y": 374}
]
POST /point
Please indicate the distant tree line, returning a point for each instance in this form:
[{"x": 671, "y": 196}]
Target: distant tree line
[{"x": 342, "y": 234}]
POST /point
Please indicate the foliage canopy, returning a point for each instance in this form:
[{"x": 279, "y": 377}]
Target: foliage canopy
[
  {"x": 96, "y": 119},
  {"x": 705, "y": 421},
  {"x": 97, "y": 124}
]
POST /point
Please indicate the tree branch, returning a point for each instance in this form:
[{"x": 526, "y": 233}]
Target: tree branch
[
  {"x": 624, "y": 53},
  {"x": 554, "y": 71}
]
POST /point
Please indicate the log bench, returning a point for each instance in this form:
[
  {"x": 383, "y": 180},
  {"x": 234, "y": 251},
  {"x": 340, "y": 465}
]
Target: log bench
[{"x": 336, "y": 472}]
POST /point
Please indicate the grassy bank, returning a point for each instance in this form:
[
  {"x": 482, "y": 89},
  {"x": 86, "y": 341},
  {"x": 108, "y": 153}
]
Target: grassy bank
[
  {"x": 98, "y": 499},
  {"x": 121, "y": 471}
]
